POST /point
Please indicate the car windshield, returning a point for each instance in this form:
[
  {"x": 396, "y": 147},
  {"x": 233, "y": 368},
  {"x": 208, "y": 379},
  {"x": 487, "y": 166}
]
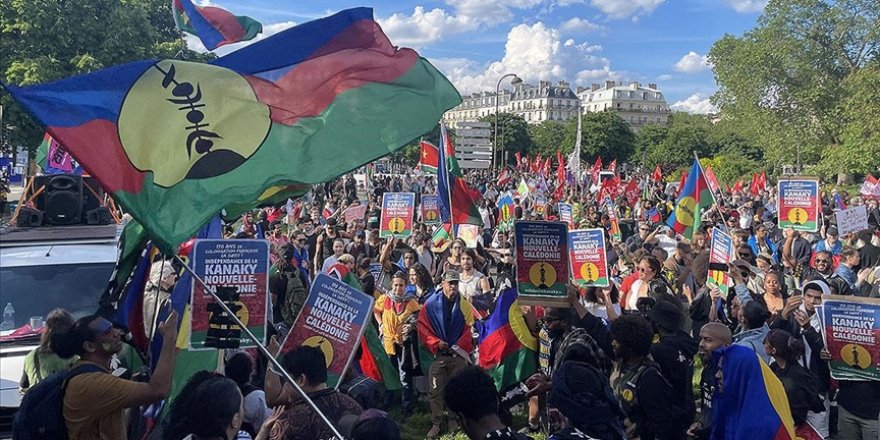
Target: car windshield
[{"x": 36, "y": 290}]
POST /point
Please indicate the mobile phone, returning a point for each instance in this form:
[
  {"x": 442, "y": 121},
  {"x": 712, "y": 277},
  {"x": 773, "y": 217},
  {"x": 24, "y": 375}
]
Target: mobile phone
[{"x": 718, "y": 266}]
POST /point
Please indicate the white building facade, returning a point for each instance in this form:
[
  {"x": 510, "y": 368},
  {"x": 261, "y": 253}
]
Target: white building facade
[{"x": 637, "y": 105}]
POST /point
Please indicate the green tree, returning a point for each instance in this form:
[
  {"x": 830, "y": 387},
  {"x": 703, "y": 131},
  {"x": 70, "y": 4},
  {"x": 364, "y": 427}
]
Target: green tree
[
  {"x": 513, "y": 134},
  {"x": 548, "y": 136},
  {"x": 730, "y": 168},
  {"x": 648, "y": 139},
  {"x": 684, "y": 135},
  {"x": 45, "y": 40},
  {"x": 603, "y": 134},
  {"x": 782, "y": 83}
]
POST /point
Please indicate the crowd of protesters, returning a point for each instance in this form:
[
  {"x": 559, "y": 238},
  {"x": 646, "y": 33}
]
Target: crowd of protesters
[{"x": 642, "y": 358}]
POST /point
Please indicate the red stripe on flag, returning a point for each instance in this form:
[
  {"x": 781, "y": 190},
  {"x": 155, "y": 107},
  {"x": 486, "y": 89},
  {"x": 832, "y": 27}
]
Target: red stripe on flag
[{"x": 498, "y": 345}]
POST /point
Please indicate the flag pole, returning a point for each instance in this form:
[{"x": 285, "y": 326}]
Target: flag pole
[
  {"x": 442, "y": 156},
  {"x": 262, "y": 347},
  {"x": 714, "y": 198}
]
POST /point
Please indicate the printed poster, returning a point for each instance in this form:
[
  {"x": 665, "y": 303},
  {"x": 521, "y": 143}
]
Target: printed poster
[
  {"x": 566, "y": 214},
  {"x": 238, "y": 271},
  {"x": 469, "y": 233},
  {"x": 332, "y": 319},
  {"x": 541, "y": 261},
  {"x": 540, "y": 204},
  {"x": 798, "y": 202},
  {"x": 720, "y": 252},
  {"x": 586, "y": 252},
  {"x": 431, "y": 209},
  {"x": 397, "y": 215},
  {"x": 506, "y": 208},
  {"x": 355, "y": 213},
  {"x": 852, "y": 336},
  {"x": 852, "y": 220}
]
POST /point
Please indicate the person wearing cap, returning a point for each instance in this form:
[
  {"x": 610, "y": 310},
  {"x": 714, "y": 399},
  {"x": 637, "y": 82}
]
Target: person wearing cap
[
  {"x": 357, "y": 247},
  {"x": 674, "y": 353},
  {"x": 799, "y": 318},
  {"x": 444, "y": 328},
  {"x": 831, "y": 243}
]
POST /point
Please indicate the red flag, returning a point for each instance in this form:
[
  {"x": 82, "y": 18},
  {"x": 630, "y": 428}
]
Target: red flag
[
  {"x": 429, "y": 157},
  {"x": 658, "y": 175},
  {"x": 559, "y": 159},
  {"x": 738, "y": 186},
  {"x": 536, "y": 163},
  {"x": 753, "y": 187},
  {"x": 594, "y": 171},
  {"x": 546, "y": 170},
  {"x": 503, "y": 177},
  {"x": 681, "y": 182},
  {"x": 763, "y": 180},
  {"x": 711, "y": 180},
  {"x": 518, "y": 156},
  {"x": 631, "y": 192},
  {"x": 613, "y": 166}
]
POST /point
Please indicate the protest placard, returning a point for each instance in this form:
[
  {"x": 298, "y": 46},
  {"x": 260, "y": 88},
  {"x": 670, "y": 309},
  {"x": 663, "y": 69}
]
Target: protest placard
[
  {"x": 586, "y": 252},
  {"x": 238, "y": 272},
  {"x": 469, "y": 233},
  {"x": 798, "y": 203},
  {"x": 540, "y": 205},
  {"x": 614, "y": 231},
  {"x": 541, "y": 262},
  {"x": 852, "y": 220},
  {"x": 720, "y": 253},
  {"x": 397, "y": 215},
  {"x": 431, "y": 209},
  {"x": 852, "y": 335},
  {"x": 354, "y": 213},
  {"x": 566, "y": 214},
  {"x": 332, "y": 319},
  {"x": 506, "y": 209}
]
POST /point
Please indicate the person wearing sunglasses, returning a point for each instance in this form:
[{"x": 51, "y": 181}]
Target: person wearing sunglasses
[{"x": 95, "y": 401}]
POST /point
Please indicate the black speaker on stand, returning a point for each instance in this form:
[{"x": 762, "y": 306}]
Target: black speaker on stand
[{"x": 64, "y": 199}]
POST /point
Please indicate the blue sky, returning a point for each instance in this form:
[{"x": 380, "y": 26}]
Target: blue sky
[{"x": 475, "y": 42}]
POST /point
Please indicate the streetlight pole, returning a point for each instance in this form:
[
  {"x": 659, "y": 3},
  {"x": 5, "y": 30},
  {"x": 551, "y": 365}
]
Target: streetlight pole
[{"x": 514, "y": 82}]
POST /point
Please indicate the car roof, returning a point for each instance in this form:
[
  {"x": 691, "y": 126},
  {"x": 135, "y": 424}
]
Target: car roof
[{"x": 58, "y": 245}]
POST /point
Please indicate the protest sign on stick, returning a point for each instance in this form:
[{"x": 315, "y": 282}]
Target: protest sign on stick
[
  {"x": 615, "y": 233},
  {"x": 566, "y": 214},
  {"x": 237, "y": 270},
  {"x": 354, "y": 213},
  {"x": 333, "y": 319},
  {"x": 431, "y": 209},
  {"x": 720, "y": 254},
  {"x": 541, "y": 262}
]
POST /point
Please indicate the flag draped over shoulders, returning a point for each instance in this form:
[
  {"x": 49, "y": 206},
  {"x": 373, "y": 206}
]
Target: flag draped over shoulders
[
  {"x": 508, "y": 350},
  {"x": 751, "y": 403},
  {"x": 175, "y": 142},
  {"x": 433, "y": 329}
]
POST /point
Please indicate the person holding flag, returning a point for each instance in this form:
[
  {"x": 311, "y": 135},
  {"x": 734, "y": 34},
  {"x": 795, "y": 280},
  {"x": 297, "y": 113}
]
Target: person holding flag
[{"x": 694, "y": 198}]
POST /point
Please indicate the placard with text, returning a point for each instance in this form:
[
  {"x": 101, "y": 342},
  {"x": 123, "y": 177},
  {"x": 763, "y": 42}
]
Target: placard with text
[
  {"x": 541, "y": 261},
  {"x": 852, "y": 336},
  {"x": 721, "y": 252},
  {"x": 332, "y": 319},
  {"x": 397, "y": 214},
  {"x": 431, "y": 209},
  {"x": 798, "y": 202},
  {"x": 566, "y": 214},
  {"x": 237, "y": 270},
  {"x": 589, "y": 265}
]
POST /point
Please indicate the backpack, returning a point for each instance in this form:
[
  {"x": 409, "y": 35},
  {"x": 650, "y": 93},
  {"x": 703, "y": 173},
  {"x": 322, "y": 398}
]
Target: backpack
[
  {"x": 41, "y": 413},
  {"x": 295, "y": 297}
]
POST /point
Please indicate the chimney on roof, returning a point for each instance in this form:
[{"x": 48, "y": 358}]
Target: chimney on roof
[
  {"x": 634, "y": 85},
  {"x": 652, "y": 86},
  {"x": 594, "y": 87},
  {"x": 580, "y": 89},
  {"x": 563, "y": 84},
  {"x": 609, "y": 84}
]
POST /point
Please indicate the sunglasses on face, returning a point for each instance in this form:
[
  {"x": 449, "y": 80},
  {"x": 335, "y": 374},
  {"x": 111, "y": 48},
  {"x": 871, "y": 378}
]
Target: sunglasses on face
[
  {"x": 822, "y": 261},
  {"x": 644, "y": 269}
]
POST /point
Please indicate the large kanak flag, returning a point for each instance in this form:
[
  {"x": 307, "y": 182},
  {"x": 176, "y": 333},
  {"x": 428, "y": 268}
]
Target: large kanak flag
[
  {"x": 175, "y": 142},
  {"x": 458, "y": 201}
]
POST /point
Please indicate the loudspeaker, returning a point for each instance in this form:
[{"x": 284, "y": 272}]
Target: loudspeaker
[
  {"x": 29, "y": 218},
  {"x": 98, "y": 216},
  {"x": 64, "y": 199}
]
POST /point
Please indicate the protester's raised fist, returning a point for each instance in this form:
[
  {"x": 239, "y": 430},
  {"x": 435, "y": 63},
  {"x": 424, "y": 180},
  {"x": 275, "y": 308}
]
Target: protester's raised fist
[{"x": 168, "y": 329}]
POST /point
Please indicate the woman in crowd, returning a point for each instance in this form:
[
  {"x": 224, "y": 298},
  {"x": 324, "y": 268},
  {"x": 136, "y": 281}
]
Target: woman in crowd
[
  {"x": 786, "y": 351},
  {"x": 419, "y": 282},
  {"x": 42, "y": 362}
]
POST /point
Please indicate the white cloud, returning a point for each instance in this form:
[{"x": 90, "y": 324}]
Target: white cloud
[
  {"x": 490, "y": 12},
  {"x": 692, "y": 63},
  {"x": 534, "y": 52},
  {"x": 748, "y": 6},
  {"x": 578, "y": 25},
  {"x": 664, "y": 77},
  {"x": 626, "y": 8},
  {"x": 423, "y": 27},
  {"x": 696, "y": 103},
  {"x": 193, "y": 42}
]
